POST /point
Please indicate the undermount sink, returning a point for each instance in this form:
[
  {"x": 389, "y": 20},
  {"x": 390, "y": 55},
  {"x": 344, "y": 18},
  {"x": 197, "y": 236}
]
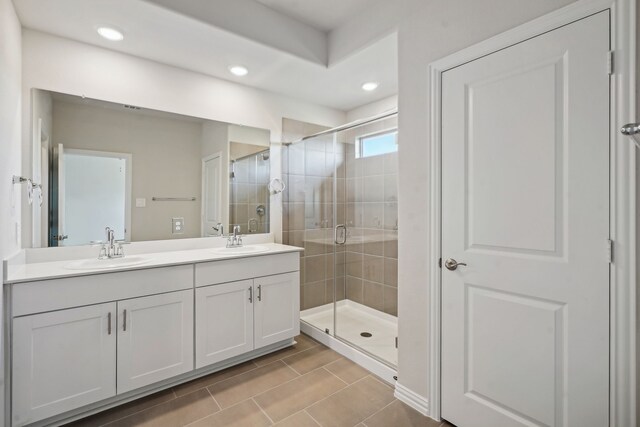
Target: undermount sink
[
  {"x": 241, "y": 250},
  {"x": 100, "y": 264}
]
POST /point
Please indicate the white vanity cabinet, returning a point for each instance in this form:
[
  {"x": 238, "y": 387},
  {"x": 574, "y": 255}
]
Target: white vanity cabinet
[
  {"x": 70, "y": 347},
  {"x": 245, "y": 304},
  {"x": 155, "y": 339},
  {"x": 237, "y": 317},
  {"x": 63, "y": 360},
  {"x": 83, "y": 343}
]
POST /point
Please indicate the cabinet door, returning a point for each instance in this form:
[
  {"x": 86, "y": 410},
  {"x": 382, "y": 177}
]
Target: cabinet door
[
  {"x": 62, "y": 360},
  {"x": 155, "y": 338},
  {"x": 277, "y": 308},
  {"x": 224, "y": 321}
]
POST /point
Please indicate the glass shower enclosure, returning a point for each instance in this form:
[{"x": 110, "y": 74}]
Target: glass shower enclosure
[{"x": 341, "y": 206}]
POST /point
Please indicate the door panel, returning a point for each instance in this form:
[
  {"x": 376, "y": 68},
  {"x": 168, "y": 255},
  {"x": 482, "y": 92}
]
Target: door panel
[
  {"x": 525, "y": 202},
  {"x": 155, "y": 338},
  {"x": 211, "y": 194},
  {"x": 224, "y": 321},
  {"x": 276, "y": 308},
  {"x": 504, "y": 158},
  {"x": 62, "y": 360}
]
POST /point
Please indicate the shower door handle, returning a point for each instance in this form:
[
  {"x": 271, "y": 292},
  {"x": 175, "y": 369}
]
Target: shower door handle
[{"x": 344, "y": 234}]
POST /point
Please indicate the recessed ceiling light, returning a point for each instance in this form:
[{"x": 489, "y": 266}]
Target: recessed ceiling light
[
  {"x": 110, "y": 33},
  {"x": 238, "y": 70},
  {"x": 369, "y": 86}
]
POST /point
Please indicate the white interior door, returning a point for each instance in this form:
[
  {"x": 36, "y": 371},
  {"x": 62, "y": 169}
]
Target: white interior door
[
  {"x": 155, "y": 338},
  {"x": 211, "y": 193},
  {"x": 525, "y": 204},
  {"x": 96, "y": 190}
]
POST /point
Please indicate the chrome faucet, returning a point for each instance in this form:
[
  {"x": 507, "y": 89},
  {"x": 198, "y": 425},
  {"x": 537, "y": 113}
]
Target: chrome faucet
[
  {"x": 235, "y": 240},
  {"x": 219, "y": 228},
  {"x": 108, "y": 249}
]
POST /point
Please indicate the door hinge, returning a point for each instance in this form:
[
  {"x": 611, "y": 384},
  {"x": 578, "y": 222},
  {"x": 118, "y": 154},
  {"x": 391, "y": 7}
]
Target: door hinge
[
  {"x": 610, "y": 58},
  {"x": 610, "y": 251},
  {"x": 396, "y": 342},
  {"x": 440, "y": 262}
]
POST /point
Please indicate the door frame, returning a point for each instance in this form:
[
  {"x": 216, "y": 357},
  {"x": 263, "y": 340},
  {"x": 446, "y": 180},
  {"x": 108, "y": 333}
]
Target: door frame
[{"x": 622, "y": 350}]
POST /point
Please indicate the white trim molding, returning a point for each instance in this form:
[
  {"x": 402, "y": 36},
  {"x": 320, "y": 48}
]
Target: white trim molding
[
  {"x": 412, "y": 399},
  {"x": 623, "y": 310}
]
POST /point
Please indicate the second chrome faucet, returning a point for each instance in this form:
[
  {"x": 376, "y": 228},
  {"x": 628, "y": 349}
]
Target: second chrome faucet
[
  {"x": 111, "y": 248},
  {"x": 235, "y": 240}
]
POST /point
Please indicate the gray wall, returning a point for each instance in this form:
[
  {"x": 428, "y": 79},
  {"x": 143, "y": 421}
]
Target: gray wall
[
  {"x": 166, "y": 161},
  {"x": 429, "y": 30}
]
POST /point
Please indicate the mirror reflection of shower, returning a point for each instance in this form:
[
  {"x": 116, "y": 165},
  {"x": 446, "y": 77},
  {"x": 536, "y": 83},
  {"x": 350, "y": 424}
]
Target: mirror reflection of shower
[{"x": 249, "y": 175}]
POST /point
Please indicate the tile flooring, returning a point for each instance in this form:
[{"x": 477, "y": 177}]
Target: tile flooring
[{"x": 304, "y": 385}]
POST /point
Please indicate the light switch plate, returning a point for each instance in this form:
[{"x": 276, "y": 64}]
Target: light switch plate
[
  {"x": 141, "y": 202},
  {"x": 177, "y": 225}
]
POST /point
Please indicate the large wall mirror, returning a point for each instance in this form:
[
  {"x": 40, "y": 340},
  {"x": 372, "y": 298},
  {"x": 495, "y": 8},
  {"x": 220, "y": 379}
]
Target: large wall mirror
[{"x": 147, "y": 174}]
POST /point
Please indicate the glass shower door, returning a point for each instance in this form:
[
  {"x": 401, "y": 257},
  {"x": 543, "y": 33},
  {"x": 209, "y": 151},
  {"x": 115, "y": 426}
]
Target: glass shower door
[
  {"x": 367, "y": 199},
  {"x": 341, "y": 207},
  {"x": 309, "y": 213}
]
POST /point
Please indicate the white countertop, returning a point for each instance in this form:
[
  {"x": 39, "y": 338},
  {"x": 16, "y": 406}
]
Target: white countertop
[{"x": 28, "y": 272}]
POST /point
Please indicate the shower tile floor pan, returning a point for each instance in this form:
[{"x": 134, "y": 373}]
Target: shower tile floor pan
[{"x": 352, "y": 319}]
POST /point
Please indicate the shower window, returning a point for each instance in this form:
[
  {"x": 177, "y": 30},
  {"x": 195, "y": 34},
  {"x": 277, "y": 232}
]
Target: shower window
[{"x": 377, "y": 144}]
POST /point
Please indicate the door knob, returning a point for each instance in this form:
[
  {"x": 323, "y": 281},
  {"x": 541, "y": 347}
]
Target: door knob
[{"x": 452, "y": 264}]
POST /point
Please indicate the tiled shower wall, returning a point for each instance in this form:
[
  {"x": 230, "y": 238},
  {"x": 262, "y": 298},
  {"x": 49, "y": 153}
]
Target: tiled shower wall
[
  {"x": 249, "y": 191},
  {"x": 372, "y": 224},
  {"x": 365, "y": 269}
]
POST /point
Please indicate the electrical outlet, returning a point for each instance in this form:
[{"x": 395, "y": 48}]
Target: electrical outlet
[
  {"x": 141, "y": 203},
  {"x": 177, "y": 225}
]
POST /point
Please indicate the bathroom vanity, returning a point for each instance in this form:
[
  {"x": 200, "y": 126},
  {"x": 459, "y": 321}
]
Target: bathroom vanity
[{"x": 83, "y": 340}]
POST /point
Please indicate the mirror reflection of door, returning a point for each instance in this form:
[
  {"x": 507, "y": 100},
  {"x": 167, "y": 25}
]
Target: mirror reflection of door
[
  {"x": 92, "y": 190},
  {"x": 211, "y": 194}
]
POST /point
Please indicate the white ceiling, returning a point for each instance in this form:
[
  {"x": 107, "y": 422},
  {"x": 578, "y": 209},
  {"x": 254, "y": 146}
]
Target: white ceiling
[
  {"x": 283, "y": 55},
  {"x": 325, "y": 15}
]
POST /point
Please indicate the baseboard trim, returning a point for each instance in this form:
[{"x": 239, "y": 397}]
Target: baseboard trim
[{"x": 412, "y": 399}]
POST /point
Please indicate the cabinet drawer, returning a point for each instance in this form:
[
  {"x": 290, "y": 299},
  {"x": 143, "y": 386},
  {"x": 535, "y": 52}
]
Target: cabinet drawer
[
  {"x": 57, "y": 294},
  {"x": 211, "y": 273}
]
